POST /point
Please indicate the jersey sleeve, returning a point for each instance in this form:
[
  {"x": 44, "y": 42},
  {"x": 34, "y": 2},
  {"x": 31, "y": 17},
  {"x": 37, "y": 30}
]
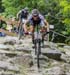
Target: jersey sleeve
[
  {"x": 29, "y": 17},
  {"x": 41, "y": 17}
]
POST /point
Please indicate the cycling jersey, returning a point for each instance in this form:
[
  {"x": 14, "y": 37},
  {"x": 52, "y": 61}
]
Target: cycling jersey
[
  {"x": 23, "y": 14},
  {"x": 40, "y": 20}
]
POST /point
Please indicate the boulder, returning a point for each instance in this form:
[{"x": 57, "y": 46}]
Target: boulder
[
  {"x": 4, "y": 47},
  {"x": 23, "y": 60},
  {"x": 24, "y": 49},
  {"x": 10, "y": 40},
  {"x": 65, "y": 58},
  {"x": 54, "y": 54},
  {"x": 67, "y": 47},
  {"x": 55, "y": 71},
  {"x": 8, "y": 66}
]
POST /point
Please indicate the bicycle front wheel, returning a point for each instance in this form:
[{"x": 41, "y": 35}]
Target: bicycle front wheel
[{"x": 38, "y": 55}]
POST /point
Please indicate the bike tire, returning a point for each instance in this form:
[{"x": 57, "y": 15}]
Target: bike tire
[
  {"x": 20, "y": 30},
  {"x": 38, "y": 55}
]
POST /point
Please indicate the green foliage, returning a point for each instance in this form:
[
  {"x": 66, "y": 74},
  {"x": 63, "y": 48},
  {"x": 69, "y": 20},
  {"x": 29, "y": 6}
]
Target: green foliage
[
  {"x": 1, "y": 7},
  {"x": 65, "y": 9}
]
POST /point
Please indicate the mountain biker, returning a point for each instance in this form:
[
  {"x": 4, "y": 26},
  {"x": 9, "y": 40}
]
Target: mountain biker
[
  {"x": 22, "y": 15},
  {"x": 34, "y": 19}
]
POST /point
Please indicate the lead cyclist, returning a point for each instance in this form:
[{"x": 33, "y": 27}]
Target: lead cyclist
[{"x": 35, "y": 18}]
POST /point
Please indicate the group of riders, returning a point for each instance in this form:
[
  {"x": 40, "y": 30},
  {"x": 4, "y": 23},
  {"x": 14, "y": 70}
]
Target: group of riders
[{"x": 34, "y": 18}]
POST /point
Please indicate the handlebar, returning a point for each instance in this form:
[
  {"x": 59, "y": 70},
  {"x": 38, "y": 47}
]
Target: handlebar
[{"x": 30, "y": 33}]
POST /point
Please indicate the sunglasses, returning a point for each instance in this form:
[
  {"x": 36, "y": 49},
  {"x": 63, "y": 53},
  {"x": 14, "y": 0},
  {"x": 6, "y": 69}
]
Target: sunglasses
[{"x": 35, "y": 15}]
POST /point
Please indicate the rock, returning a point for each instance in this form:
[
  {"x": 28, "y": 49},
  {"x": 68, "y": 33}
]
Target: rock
[
  {"x": 67, "y": 47},
  {"x": 8, "y": 66},
  {"x": 2, "y": 39},
  {"x": 53, "y": 45},
  {"x": 65, "y": 58},
  {"x": 10, "y": 40},
  {"x": 24, "y": 49},
  {"x": 7, "y": 52},
  {"x": 19, "y": 54},
  {"x": 42, "y": 57},
  {"x": 55, "y": 71},
  {"x": 4, "y": 47},
  {"x": 66, "y": 67},
  {"x": 67, "y": 52},
  {"x": 6, "y": 73},
  {"x": 3, "y": 57},
  {"x": 54, "y": 63},
  {"x": 61, "y": 44},
  {"x": 23, "y": 60},
  {"x": 54, "y": 54}
]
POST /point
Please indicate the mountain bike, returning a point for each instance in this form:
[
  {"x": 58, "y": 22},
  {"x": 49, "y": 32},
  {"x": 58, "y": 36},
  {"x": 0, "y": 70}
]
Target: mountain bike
[
  {"x": 20, "y": 29},
  {"x": 38, "y": 40}
]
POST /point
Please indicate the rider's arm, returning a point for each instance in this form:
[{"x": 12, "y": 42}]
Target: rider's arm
[
  {"x": 18, "y": 14},
  {"x": 46, "y": 25}
]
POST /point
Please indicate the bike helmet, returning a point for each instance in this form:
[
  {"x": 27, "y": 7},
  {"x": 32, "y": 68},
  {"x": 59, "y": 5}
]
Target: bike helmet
[
  {"x": 26, "y": 9},
  {"x": 35, "y": 12}
]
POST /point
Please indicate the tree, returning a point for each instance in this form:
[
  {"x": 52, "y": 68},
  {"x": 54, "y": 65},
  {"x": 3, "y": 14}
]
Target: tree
[
  {"x": 1, "y": 7},
  {"x": 65, "y": 9}
]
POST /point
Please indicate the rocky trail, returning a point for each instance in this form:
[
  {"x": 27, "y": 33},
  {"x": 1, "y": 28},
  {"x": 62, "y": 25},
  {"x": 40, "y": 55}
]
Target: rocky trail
[{"x": 17, "y": 57}]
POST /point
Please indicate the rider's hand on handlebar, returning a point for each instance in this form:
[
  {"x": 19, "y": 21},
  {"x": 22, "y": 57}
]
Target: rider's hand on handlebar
[
  {"x": 42, "y": 30},
  {"x": 28, "y": 33}
]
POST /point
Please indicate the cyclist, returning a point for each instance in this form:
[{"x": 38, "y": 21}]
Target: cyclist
[
  {"x": 35, "y": 18},
  {"x": 22, "y": 15}
]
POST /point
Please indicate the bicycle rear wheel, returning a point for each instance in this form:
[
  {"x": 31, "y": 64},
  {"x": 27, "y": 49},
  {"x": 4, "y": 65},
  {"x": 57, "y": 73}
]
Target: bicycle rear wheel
[{"x": 20, "y": 31}]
